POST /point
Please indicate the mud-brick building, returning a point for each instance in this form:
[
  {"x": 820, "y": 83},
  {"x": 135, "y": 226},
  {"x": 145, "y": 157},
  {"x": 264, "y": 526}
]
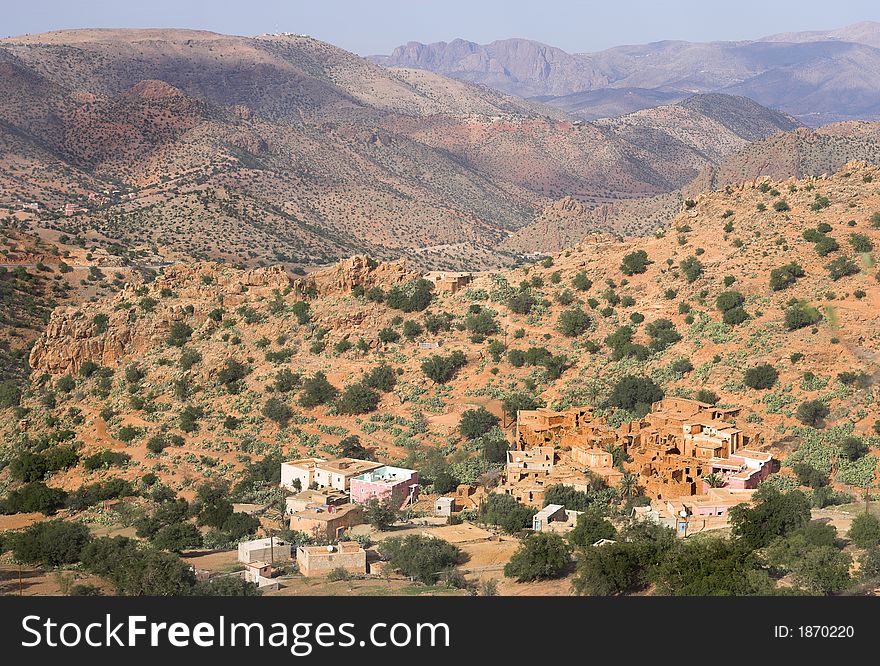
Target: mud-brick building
[
  {"x": 546, "y": 427},
  {"x": 314, "y": 561},
  {"x": 451, "y": 282},
  {"x": 327, "y": 523}
]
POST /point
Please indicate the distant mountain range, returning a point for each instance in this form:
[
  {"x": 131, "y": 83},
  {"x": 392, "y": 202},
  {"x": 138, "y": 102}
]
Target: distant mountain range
[{"x": 818, "y": 77}]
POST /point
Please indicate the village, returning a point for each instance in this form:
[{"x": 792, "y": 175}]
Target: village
[{"x": 687, "y": 460}]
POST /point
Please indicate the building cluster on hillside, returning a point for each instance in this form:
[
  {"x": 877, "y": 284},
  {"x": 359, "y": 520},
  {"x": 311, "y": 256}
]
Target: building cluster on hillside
[
  {"x": 682, "y": 452},
  {"x": 688, "y": 457},
  {"x": 329, "y": 495}
]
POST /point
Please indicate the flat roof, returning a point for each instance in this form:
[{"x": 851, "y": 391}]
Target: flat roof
[
  {"x": 341, "y": 547},
  {"x": 549, "y": 510},
  {"x": 264, "y": 543},
  {"x": 328, "y": 515},
  {"x": 750, "y": 453},
  {"x": 305, "y": 463},
  {"x": 349, "y": 466},
  {"x": 386, "y": 473}
]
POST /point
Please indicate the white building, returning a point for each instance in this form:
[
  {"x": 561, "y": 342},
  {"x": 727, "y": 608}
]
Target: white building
[{"x": 302, "y": 470}]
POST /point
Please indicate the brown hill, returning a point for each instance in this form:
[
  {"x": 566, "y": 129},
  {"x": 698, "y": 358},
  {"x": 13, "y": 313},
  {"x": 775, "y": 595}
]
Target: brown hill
[
  {"x": 256, "y": 150},
  {"x": 241, "y": 329},
  {"x": 795, "y": 154}
]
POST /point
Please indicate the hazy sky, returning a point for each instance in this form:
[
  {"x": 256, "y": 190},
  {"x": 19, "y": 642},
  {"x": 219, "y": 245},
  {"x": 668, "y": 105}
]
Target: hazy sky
[{"x": 377, "y": 26}]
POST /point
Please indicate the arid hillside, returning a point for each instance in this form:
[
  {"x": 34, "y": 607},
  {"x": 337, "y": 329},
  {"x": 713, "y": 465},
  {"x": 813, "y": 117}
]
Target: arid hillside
[
  {"x": 39, "y": 272},
  {"x": 253, "y": 151},
  {"x": 207, "y": 368},
  {"x": 795, "y": 154}
]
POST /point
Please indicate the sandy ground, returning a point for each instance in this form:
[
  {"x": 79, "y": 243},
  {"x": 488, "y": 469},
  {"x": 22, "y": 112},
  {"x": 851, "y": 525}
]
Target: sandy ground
[
  {"x": 32, "y": 582},
  {"x": 19, "y": 521}
]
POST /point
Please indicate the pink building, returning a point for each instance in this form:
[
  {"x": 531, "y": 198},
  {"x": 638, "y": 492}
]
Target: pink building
[
  {"x": 743, "y": 470},
  {"x": 396, "y": 485}
]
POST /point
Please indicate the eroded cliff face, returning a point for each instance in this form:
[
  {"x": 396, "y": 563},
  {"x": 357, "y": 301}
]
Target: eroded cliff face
[
  {"x": 114, "y": 331},
  {"x": 118, "y": 329},
  {"x": 359, "y": 270}
]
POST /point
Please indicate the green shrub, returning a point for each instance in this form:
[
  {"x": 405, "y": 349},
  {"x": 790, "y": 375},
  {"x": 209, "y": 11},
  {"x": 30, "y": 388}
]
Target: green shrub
[
  {"x": 357, "y": 398},
  {"x": 179, "y": 334},
  {"x": 735, "y": 316},
  {"x": 728, "y": 300},
  {"x": 865, "y": 531},
  {"x": 476, "y": 423},
  {"x": 317, "y": 391},
  {"x": 540, "y": 556},
  {"x": 826, "y": 245},
  {"x": 662, "y": 333},
  {"x": 635, "y": 393},
  {"x": 581, "y": 282},
  {"x": 573, "y": 322},
  {"x": 388, "y": 335},
  {"x": 423, "y": 558},
  {"x": 53, "y": 543},
  {"x": 413, "y": 296},
  {"x": 504, "y": 511},
  {"x": 106, "y": 459},
  {"x": 842, "y": 267},
  {"x": 440, "y": 369},
  {"x": 34, "y": 497},
  {"x": 812, "y": 412},
  {"x": 785, "y": 276},
  {"x": 801, "y": 315},
  {"x": 761, "y": 377},
  {"x": 861, "y": 243},
  {"x": 634, "y": 263},
  {"x": 278, "y": 411},
  {"x": 692, "y": 268}
]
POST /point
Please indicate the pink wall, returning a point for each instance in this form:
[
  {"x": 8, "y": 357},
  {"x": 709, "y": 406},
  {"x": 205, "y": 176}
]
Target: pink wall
[{"x": 363, "y": 491}]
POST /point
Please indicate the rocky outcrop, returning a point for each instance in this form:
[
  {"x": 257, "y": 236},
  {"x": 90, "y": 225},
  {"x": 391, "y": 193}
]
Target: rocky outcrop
[
  {"x": 359, "y": 270},
  {"x": 73, "y": 336}
]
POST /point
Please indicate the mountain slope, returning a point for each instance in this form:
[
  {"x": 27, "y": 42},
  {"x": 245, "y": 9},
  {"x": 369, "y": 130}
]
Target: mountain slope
[
  {"x": 794, "y": 154},
  {"x": 258, "y": 150},
  {"x": 270, "y": 324}
]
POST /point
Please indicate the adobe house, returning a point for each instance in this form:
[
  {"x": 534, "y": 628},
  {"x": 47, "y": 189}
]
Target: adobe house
[
  {"x": 255, "y": 571},
  {"x": 546, "y": 427},
  {"x": 449, "y": 282},
  {"x": 526, "y": 493},
  {"x": 444, "y": 506},
  {"x": 396, "y": 485},
  {"x": 469, "y": 497},
  {"x": 265, "y": 550},
  {"x": 538, "y": 459},
  {"x": 699, "y": 513},
  {"x": 316, "y": 561},
  {"x": 596, "y": 461},
  {"x": 327, "y": 524},
  {"x": 466, "y": 498},
  {"x": 338, "y": 473},
  {"x": 308, "y": 499},
  {"x": 681, "y": 441},
  {"x": 591, "y": 457},
  {"x": 743, "y": 470}
]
